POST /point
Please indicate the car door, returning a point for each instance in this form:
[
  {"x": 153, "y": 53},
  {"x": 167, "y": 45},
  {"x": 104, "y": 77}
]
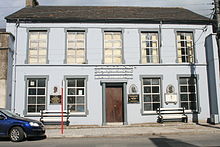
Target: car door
[{"x": 3, "y": 124}]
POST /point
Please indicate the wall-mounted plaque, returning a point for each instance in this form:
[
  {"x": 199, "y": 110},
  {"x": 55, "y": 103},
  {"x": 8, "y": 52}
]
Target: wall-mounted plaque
[
  {"x": 171, "y": 98},
  {"x": 55, "y": 99},
  {"x": 133, "y": 98}
]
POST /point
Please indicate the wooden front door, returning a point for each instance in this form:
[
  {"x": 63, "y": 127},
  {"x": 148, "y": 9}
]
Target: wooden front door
[{"x": 114, "y": 104}]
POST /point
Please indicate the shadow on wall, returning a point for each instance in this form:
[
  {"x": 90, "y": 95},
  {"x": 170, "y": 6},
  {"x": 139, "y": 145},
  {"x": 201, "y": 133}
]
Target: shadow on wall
[{"x": 166, "y": 142}]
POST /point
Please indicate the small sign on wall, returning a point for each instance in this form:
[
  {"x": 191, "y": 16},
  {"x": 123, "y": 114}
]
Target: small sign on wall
[
  {"x": 55, "y": 99},
  {"x": 170, "y": 98},
  {"x": 170, "y": 95},
  {"x": 133, "y": 98}
]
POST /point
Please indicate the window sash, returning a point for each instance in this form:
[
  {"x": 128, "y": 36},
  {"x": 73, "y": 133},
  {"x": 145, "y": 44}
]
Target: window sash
[
  {"x": 75, "y": 47},
  {"x": 188, "y": 93},
  {"x": 112, "y": 47},
  {"x": 76, "y": 95},
  {"x": 151, "y": 92},
  {"x": 149, "y": 47},
  {"x": 37, "y": 50},
  {"x": 36, "y": 95},
  {"x": 185, "y": 47}
]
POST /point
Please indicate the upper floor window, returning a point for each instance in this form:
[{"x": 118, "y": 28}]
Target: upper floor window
[
  {"x": 185, "y": 48},
  {"x": 113, "y": 47},
  {"x": 149, "y": 47},
  {"x": 75, "y": 47},
  {"x": 37, "y": 51}
]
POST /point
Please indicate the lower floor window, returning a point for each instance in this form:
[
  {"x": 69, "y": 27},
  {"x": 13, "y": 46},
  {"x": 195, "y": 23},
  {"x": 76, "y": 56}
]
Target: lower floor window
[
  {"x": 188, "y": 93},
  {"x": 75, "y": 94},
  {"x": 151, "y": 93},
  {"x": 36, "y": 94}
]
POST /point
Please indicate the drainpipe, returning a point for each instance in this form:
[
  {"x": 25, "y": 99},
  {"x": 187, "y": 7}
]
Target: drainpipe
[{"x": 14, "y": 66}]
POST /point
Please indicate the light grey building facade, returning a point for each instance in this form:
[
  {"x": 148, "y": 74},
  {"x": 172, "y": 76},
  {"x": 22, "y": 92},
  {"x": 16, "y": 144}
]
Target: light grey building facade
[{"x": 115, "y": 64}]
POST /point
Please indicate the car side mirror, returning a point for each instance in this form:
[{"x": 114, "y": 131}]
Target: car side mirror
[{"x": 2, "y": 117}]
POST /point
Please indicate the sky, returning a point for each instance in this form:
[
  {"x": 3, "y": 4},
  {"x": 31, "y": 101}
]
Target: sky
[{"x": 203, "y": 7}]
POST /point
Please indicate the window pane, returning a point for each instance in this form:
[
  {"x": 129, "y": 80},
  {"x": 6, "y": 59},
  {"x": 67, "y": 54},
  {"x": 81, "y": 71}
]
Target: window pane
[
  {"x": 147, "y": 107},
  {"x": 156, "y": 98},
  {"x": 32, "y": 91},
  {"x": 41, "y": 83},
  {"x": 147, "y": 89},
  {"x": 183, "y": 88},
  {"x": 40, "y": 100},
  {"x": 80, "y": 83},
  {"x": 80, "y": 91},
  {"x": 147, "y": 81},
  {"x": 147, "y": 98},
  {"x": 41, "y": 92},
  {"x": 32, "y": 83},
  {"x": 40, "y": 107},
  {"x": 155, "y": 106},
  {"x": 71, "y": 83},
  {"x": 185, "y": 105},
  {"x": 155, "y": 89},
  {"x": 80, "y": 100},
  {"x": 184, "y": 97},
  {"x": 31, "y": 108},
  {"x": 71, "y": 99},
  {"x": 80, "y": 108},
  {"x": 72, "y": 108},
  {"x": 31, "y": 100},
  {"x": 71, "y": 91}
]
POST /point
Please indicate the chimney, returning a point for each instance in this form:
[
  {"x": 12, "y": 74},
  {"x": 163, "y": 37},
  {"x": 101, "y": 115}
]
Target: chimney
[{"x": 31, "y": 3}]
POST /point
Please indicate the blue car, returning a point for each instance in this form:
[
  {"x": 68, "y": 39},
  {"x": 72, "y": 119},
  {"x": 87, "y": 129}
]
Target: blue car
[{"x": 18, "y": 128}]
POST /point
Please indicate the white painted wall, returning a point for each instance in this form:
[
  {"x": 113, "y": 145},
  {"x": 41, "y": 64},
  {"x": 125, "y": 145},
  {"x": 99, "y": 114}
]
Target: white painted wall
[{"x": 56, "y": 70}]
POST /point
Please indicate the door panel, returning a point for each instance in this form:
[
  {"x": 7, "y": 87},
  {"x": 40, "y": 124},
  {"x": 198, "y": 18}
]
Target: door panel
[{"x": 114, "y": 104}]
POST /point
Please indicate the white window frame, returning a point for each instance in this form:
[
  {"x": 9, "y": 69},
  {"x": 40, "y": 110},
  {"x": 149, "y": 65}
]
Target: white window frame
[
  {"x": 189, "y": 56},
  {"x": 74, "y": 49},
  {"x": 146, "y": 48},
  {"x": 36, "y": 95},
  {"x": 151, "y": 94},
  {"x": 37, "y": 48},
  {"x": 75, "y": 95},
  {"x": 188, "y": 93},
  {"x": 112, "y": 41}
]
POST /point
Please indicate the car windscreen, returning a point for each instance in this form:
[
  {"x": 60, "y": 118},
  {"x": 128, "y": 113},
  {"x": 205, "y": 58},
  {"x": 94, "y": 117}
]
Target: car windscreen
[{"x": 9, "y": 113}]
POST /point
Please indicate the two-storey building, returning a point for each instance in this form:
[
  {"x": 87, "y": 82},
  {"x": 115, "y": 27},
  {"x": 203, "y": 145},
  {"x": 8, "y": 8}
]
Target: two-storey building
[{"x": 115, "y": 64}]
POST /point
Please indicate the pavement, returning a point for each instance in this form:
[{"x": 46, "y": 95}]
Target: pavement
[{"x": 168, "y": 128}]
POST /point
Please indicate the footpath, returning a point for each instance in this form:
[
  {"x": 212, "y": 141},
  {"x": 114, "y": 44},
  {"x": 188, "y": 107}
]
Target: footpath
[{"x": 132, "y": 130}]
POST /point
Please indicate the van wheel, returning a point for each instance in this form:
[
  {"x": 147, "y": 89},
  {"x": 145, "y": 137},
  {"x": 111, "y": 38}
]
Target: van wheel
[{"x": 16, "y": 134}]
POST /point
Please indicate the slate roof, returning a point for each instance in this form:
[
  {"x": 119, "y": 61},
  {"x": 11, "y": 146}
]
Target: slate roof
[{"x": 106, "y": 14}]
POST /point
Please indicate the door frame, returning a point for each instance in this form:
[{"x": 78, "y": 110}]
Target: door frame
[{"x": 124, "y": 99}]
